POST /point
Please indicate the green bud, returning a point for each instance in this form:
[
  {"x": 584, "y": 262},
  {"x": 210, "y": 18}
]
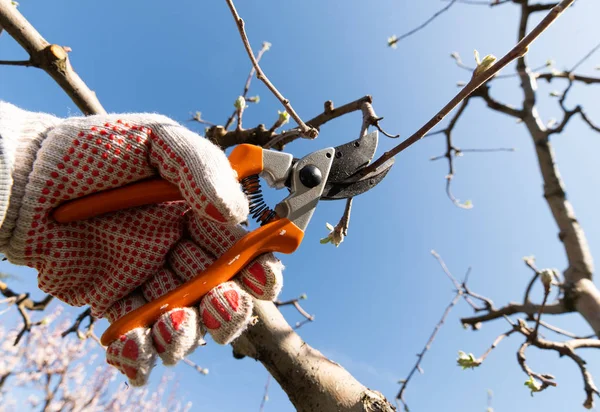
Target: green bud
[
  {"x": 549, "y": 62},
  {"x": 392, "y": 41},
  {"x": 284, "y": 117},
  {"x": 467, "y": 361},
  {"x": 532, "y": 385},
  {"x": 554, "y": 93},
  {"x": 303, "y": 296},
  {"x": 266, "y": 45},
  {"x": 483, "y": 65},
  {"x": 240, "y": 103}
]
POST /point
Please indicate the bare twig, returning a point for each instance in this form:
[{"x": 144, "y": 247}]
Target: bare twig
[
  {"x": 494, "y": 345},
  {"x": 296, "y": 303},
  {"x": 394, "y": 40},
  {"x": 309, "y": 132},
  {"x": 584, "y": 58},
  {"x": 25, "y": 63},
  {"x": 476, "y": 81},
  {"x": 24, "y": 305},
  {"x": 265, "y": 397},
  {"x": 417, "y": 366},
  {"x": 89, "y": 333}
]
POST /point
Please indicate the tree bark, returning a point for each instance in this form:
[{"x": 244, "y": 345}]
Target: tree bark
[
  {"x": 580, "y": 292},
  {"x": 312, "y": 382}
]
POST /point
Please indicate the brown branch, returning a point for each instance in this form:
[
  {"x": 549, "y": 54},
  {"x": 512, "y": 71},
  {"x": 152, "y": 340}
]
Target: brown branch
[
  {"x": 545, "y": 379},
  {"x": 309, "y": 132},
  {"x": 563, "y": 332},
  {"x": 23, "y": 63},
  {"x": 567, "y": 75},
  {"x": 51, "y": 58},
  {"x": 564, "y": 349},
  {"x": 261, "y": 136},
  {"x": 484, "y": 93},
  {"x": 363, "y": 104},
  {"x": 476, "y": 81},
  {"x": 514, "y": 308},
  {"x": 588, "y": 121},
  {"x": 494, "y": 345}
]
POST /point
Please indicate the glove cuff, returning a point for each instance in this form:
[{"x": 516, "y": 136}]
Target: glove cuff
[{"x": 21, "y": 135}]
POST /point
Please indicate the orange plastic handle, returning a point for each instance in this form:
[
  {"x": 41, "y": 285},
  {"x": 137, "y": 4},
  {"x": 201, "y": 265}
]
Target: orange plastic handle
[
  {"x": 245, "y": 159},
  {"x": 280, "y": 235}
]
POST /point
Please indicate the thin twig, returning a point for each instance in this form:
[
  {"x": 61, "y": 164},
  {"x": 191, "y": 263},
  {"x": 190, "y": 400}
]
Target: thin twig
[
  {"x": 494, "y": 345},
  {"x": 584, "y": 58},
  {"x": 309, "y": 132},
  {"x": 26, "y": 63},
  {"x": 422, "y": 25},
  {"x": 295, "y": 302},
  {"x": 417, "y": 366},
  {"x": 265, "y": 397}
]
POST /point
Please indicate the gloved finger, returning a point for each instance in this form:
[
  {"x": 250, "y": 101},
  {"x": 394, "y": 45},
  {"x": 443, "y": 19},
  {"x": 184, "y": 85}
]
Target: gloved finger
[
  {"x": 200, "y": 170},
  {"x": 176, "y": 333},
  {"x": 132, "y": 354},
  {"x": 225, "y": 310},
  {"x": 262, "y": 278}
]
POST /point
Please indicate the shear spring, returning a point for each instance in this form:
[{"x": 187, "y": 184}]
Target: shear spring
[{"x": 259, "y": 210}]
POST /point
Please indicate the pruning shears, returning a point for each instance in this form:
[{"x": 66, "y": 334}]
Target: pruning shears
[{"x": 327, "y": 174}]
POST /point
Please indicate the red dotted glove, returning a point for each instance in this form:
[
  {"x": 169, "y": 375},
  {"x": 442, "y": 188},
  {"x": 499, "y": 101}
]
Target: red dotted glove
[{"x": 117, "y": 262}]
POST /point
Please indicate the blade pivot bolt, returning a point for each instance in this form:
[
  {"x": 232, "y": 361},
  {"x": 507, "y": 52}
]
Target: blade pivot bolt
[{"x": 310, "y": 176}]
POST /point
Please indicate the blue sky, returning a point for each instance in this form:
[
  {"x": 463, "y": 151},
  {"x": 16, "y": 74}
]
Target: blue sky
[{"x": 376, "y": 297}]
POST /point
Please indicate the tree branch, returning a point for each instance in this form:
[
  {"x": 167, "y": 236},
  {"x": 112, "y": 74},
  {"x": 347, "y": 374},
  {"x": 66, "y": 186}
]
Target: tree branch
[
  {"x": 514, "y": 308},
  {"x": 51, "y": 58}
]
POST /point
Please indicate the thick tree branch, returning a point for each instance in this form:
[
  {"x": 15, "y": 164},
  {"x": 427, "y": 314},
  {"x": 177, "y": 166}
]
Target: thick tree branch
[
  {"x": 51, "y": 58},
  {"x": 313, "y": 382}
]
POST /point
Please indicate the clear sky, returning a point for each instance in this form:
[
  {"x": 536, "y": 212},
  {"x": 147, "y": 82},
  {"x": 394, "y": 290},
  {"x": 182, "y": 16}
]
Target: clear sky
[{"x": 377, "y": 297}]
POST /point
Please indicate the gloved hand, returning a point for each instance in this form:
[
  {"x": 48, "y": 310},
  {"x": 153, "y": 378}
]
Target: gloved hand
[{"x": 117, "y": 262}]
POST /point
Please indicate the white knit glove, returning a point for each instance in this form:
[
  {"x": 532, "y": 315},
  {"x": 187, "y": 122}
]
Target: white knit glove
[{"x": 117, "y": 262}]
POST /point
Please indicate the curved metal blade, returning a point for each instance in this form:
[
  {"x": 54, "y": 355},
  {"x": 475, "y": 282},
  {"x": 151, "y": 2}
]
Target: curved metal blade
[
  {"x": 350, "y": 157},
  {"x": 351, "y": 188}
]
